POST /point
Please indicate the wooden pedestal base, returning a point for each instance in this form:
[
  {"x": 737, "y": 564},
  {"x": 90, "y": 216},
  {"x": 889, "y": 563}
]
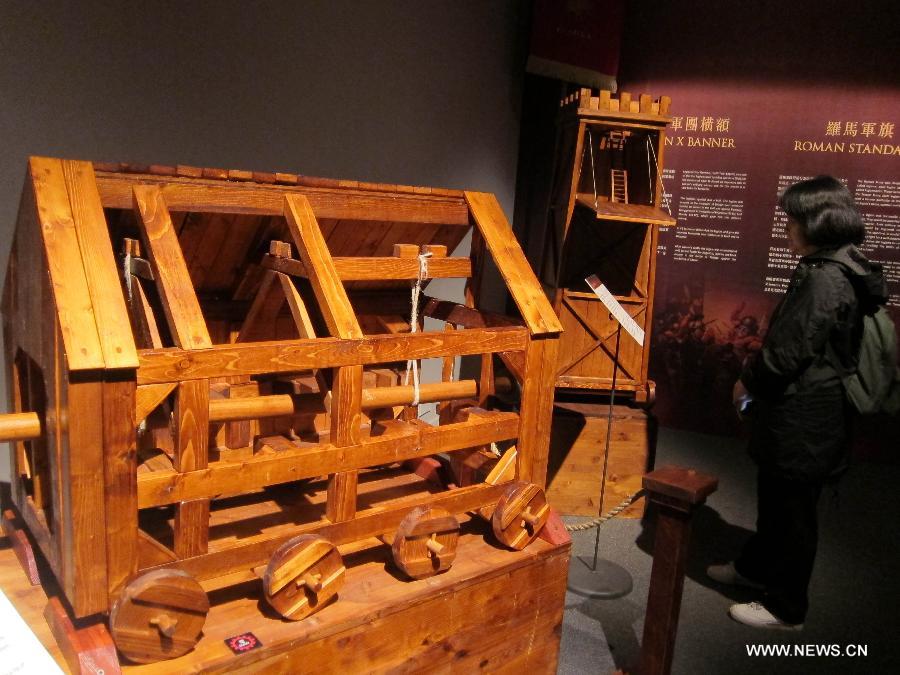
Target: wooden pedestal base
[{"x": 494, "y": 610}]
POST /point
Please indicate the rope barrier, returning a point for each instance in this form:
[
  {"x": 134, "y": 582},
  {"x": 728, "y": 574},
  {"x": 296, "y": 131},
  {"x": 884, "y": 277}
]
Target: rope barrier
[{"x": 609, "y": 515}]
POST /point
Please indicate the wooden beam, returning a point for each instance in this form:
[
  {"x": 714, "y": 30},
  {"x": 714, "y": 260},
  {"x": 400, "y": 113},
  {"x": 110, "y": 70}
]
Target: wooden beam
[
  {"x": 399, "y": 442},
  {"x": 346, "y": 416},
  {"x": 537, "y": 410},
  {"x": 191, "y": 454},
  {"x": 264, "y": 311},
  {"x": 257, "y": 358},
  {"x": 68, "y": 282},
  {"x": 467, "y": 317},
  {"x": 113, "y": 326},
  {"x": 304, "y": 326},
  {"x": 385, "y": 268},
  {"x": 514, "y": 268},
  {"x": 84, "y": 554},
  {"x": 120, "y": 480},
  {"x": 342, "y": 204},
  {"x": 148, "y": 397},
  {"x": 346, "y": 399},
  {"x": 326, "y": 283},
  {"x": 176, "y": 291}
]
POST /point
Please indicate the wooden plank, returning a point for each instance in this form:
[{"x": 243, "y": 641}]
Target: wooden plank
[
  {"x": 375, "y": 268},
  {"x": 367, "y": 523},
  {"x": 148, "y": 397},
  {"x": 326, "y": 283},
  {"x": 297, "y": 307},
  {"x": 87, "y": 649},
  {"x": 304, "y": 326},
  {"x": 399, "y": 443},
  {"x": 64, "y": 262},
  {"x": 191, "y": 454},
  {"x": 346, "y": 415},
  {"x": 536, "y": 410},
  {"x": 87, "y": 587},
  {"x": 256, "y": 358},
  {"x": 120, "y": 480},
  {"x": 263, "y": 311},
  {"x": 514, "y": 268},
  {"x": 268, "y": 200},
  {"x": 113, "y": 325},
  {"x": 179, "y": 300},
  {"x": 146, "y": 329},
  {"x": 346, "y": 405},
  {"x": 630, "y": 213},
  {"x": 17, "y": 538},
  {"x": 467, "y": 317}
]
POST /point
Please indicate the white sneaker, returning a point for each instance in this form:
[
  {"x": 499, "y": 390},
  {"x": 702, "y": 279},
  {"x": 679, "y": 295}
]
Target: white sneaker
[
  {"x": 727, "y": 574},
  {"x": 754, "y": 614}
]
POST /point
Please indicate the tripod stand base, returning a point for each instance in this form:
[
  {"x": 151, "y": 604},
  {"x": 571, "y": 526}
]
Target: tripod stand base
[{"x": 608, "y": 581}]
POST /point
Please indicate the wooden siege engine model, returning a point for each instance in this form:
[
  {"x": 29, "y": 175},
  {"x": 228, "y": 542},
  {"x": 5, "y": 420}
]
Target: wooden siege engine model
[
  {"x": 603, "y": 219},
  {"x": 207, "y": 373}
]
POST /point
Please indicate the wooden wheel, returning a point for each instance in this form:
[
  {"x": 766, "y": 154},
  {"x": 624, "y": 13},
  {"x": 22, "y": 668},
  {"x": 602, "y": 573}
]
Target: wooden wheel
[
  {"x": 520, "y": 514},
  {"x": 425, "y": 543},
  {"x": 159, "y": 615},
  {"x": 303, "y": 576}
]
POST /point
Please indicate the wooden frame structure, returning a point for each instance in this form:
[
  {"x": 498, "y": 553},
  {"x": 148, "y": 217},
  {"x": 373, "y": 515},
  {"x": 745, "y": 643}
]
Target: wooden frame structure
[
  {"x": 603, "y": 218},
  {"x": 188, "y": 396}
]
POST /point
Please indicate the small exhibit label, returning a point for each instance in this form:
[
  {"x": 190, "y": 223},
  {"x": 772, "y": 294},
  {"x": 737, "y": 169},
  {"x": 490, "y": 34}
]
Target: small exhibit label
[
  {"x": 20, "y": 650},
  {"x": 619, "y": 313},
  {"x": 243, "y": 643}
]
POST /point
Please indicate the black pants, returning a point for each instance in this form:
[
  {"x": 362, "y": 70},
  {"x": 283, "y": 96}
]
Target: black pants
[{"x": 781, "y": 553}]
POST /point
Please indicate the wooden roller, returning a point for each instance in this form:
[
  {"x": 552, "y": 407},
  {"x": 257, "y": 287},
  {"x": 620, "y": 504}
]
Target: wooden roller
[
  {"x": 303, "y": 576},
  {"x": 24, "y": 426},
  {"x": 27, "y": 425},
  {"x": 159, "y": 615},
  {"x": 278, "y": 405},
  {"x": 425, "y": 543}
]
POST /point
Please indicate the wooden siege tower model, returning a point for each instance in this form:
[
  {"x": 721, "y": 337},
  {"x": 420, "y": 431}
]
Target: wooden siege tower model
[
  {"x": 604, "y": 216},
  {"x": 206, "y": 377}
]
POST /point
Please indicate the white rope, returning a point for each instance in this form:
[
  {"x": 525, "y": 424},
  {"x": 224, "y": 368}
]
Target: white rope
[
  {"x": 413, "y": 364},
  {"x": 661, "y": 184}
]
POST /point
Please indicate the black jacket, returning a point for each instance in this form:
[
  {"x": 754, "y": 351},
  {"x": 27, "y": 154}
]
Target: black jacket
[{"x": 800, "y": 424}]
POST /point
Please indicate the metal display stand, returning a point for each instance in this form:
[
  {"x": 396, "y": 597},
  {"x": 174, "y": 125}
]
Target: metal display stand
[{"x": 597, "y": 578}]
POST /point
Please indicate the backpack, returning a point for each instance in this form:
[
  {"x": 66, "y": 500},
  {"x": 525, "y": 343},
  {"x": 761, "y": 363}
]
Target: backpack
[{"x": 875, "y": 386}]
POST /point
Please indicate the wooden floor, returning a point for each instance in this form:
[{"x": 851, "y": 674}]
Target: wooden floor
[{"x": 494, "y": 610}]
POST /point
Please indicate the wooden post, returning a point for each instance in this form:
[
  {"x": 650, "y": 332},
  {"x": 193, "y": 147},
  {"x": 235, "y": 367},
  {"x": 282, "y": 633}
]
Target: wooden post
[
  {"x": 675, "y": 494},
  {"x": 346, "y": 411}
]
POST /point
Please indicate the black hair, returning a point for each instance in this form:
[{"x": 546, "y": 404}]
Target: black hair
[{"x": 824, "y": 208}]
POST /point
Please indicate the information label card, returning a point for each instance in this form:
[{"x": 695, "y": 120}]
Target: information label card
[{"x": 623, "y": 317}]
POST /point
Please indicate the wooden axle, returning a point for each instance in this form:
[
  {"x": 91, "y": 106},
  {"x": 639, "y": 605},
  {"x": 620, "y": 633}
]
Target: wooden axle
[
  {"x": 27, "y": 426},
  {"x": 278, "y": 405},
  {"x": 20, "y": 426}
]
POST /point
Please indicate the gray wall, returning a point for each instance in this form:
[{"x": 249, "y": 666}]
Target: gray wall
[{"x": 421, "y": 93}]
